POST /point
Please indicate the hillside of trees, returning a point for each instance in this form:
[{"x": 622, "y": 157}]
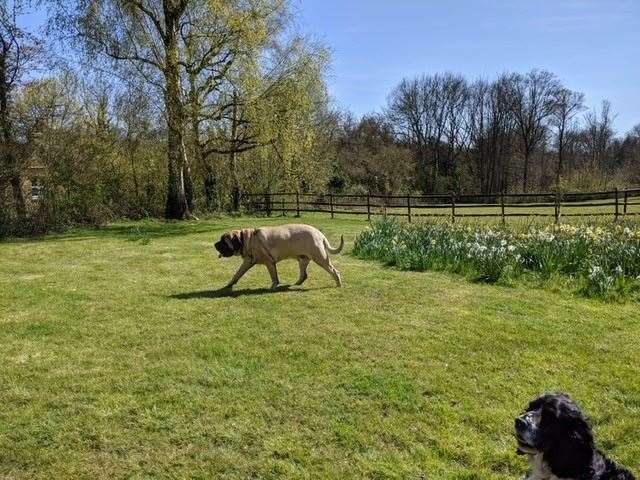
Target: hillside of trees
[
  {"x": 174, "y": 108},
  {"x": 522, "y": 132}
]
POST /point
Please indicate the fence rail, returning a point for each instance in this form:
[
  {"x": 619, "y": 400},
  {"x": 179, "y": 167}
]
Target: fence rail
[{"x": 616, "y": 203}]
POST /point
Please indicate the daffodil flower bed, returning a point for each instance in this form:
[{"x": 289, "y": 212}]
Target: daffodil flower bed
[{"x": 598, "y": 260}]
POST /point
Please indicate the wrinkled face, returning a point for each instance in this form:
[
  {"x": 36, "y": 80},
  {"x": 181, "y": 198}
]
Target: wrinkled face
[{"x": 229, "y": 244}]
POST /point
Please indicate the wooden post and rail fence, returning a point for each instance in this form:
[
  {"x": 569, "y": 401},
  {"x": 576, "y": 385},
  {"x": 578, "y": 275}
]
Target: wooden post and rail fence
[{"x": 615, "y": 203}]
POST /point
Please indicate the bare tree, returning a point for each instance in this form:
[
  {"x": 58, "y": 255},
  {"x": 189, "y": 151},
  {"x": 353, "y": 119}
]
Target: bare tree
[
  {"x": 407, "y": 114},
  {"x": 567, "y": 105},
  {"x": 456, "y": 97},
  {"x": 478, "y": 124},
  {"x": 631, "y": 154},
  {"x": 490, "y": 126},
  {"x": 532, "y": 101},
  {"x": 423, "y": 111},
  {"x": 465, "y": 135},
  {"x": 598, "y": 134}
]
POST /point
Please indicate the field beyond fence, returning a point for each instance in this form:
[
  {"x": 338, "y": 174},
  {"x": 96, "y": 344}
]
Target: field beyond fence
[{"x": 613, "y": 203}]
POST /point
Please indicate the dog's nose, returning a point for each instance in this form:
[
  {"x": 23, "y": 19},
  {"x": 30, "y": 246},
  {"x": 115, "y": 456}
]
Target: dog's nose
[{"x": 520, "y": 423}]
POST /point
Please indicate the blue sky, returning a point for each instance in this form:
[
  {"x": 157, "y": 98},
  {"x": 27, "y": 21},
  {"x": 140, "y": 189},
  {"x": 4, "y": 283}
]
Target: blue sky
[{"x": 592, "y": 45}]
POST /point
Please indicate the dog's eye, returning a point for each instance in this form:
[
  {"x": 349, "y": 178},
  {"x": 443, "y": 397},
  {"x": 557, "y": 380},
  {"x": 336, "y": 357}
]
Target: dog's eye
[{"x": 533, "y": 416}]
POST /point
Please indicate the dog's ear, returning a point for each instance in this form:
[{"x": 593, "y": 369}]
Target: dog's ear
[
  {"x": 548, "y": 400},
  {"x": 226, "y": 238},
  {"x": 236, "y": 241},
  {"x": 567, "y": 439}
]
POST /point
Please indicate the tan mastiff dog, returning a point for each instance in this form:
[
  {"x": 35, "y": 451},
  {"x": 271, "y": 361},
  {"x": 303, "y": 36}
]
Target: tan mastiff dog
[{"x": 268, "y": 245}]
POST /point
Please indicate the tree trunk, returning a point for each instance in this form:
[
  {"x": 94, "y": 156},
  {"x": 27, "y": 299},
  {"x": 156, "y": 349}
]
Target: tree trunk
[
  {"x": 18, "y": 194},
  {"x": 235, "y": 184},
  {"x": 198, "y": 149},
  {"x": 506, "y": 155},
  {"x": 188, "y": 184},
  {"x": 543, "y": 168},
  {"x": 525, "y": 172},
  {"x": 210, "y": 188},
  {"x": 177, "y": 206},
  {"x": 560, "y": 155},
  {"x": 132, "y": 149},
  {"x": 8, "y": 160},
  {"x": 434, "y": 173},
  {"x": 423, "y": 174}
]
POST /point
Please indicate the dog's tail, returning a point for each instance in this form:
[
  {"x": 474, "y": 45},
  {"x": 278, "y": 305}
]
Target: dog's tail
[{"x": 332, "y": 250}]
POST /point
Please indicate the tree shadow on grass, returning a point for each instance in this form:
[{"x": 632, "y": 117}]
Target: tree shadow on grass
[
  {"x": 142, "y": 231},
  {"x": 226, "y": 292}
]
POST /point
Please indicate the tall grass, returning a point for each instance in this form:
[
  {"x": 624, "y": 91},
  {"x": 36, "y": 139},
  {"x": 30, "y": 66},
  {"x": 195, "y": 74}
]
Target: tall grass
[{"x": 601, "y": 261}]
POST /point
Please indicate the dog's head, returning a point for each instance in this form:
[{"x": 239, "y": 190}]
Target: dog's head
[
  {"x": 230, "y": 244},
  {"x": 554, "y": 426}
]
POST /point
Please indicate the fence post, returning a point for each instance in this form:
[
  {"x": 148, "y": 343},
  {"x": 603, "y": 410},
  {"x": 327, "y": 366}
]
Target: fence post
[
  {"x": 626, "y": 200},
  {"x": 297, "y": 204},
  {"x": 331, "y": 202},
  {"x": 617, "y": 206},
  {"x": 502, "y": 206},
  {"x": 284, "y": 212},
  {"x": 557, "y": 208},
  {"x": 453, "y": 207},
  {"x": 409, "y": 207},
  {"x": 267, "y": 199},
  {"x": 368, "y": 206}
]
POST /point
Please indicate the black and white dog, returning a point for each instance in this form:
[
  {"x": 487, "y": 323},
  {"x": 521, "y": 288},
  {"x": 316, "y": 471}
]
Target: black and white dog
[{"x": 555, "y": 435}]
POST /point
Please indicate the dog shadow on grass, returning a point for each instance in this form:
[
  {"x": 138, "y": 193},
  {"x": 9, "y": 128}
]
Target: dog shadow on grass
[{"x": 226, "y": 292}]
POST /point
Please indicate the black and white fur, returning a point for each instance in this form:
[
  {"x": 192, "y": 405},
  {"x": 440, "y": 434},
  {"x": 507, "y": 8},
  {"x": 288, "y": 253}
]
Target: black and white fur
[{"x": 555, "y": 435}]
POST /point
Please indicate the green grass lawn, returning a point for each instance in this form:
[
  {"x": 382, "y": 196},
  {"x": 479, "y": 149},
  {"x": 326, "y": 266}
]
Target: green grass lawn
[{"x": 121, "y": 360}]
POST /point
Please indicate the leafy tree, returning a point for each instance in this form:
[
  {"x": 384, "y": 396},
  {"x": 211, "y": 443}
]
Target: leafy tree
[{"x": 168, "y": 43}]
